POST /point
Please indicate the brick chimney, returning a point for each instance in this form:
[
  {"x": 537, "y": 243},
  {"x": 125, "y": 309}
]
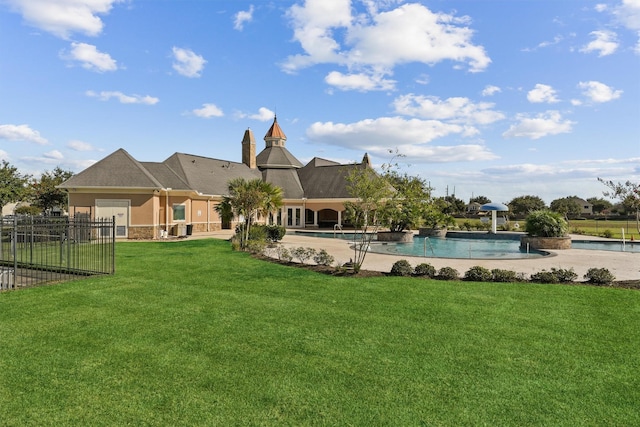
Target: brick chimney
[{"x": 249, "y": 149}]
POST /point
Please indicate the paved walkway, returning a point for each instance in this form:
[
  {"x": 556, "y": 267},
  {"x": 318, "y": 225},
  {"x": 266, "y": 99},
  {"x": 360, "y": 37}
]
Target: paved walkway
[{"x": 623, "y": 265}]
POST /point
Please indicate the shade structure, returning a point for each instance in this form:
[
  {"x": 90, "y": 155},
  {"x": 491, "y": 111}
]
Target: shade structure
[{"x": 494, "y": 208}]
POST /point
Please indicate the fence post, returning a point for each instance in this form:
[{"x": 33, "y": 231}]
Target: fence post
[{"x": 113, "y": 244}]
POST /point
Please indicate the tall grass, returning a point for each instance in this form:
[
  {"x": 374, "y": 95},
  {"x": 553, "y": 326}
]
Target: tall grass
[{"x": 191, "y": 333}]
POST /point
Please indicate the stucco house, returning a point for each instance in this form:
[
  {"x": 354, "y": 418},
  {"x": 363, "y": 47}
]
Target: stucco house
[{"x": 178, "y": 196}]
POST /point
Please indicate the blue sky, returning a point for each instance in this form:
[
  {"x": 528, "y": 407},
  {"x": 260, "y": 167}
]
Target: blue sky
[{"x": 499, "y": 98}]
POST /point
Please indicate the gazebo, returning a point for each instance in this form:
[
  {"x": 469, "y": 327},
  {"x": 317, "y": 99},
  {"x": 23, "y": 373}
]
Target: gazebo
[{"x": 494, "y": 208}]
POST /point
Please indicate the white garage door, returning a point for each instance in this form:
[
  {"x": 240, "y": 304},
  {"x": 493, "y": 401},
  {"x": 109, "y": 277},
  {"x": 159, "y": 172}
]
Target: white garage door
[{"x": 119, "y": 209}]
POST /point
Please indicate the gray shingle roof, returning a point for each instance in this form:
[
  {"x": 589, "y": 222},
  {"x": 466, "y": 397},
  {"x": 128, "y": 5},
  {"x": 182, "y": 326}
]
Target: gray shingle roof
[
  {"x": 287, "y": 180},
  {"x": 326, "y": 181},
  {"x": 277, "y": 157},
  {"x": 206, "y": 175},
  {"x": 118, "y": 169},
  {"x": 178, "y": 172}
]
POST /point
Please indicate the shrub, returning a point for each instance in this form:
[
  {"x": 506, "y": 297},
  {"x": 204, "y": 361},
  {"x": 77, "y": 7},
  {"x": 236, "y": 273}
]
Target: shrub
[
  {"x": 504, "y": 276},
  {"x": 27, "y": 210},
  {"x": 275, "y": 233},
  {"x": 401, "y": 268},
  {"x": 256, "y": 246},
  {"x": 283, "y": 254},
  {"x": 448, "y": 273},
  {"x": 544, "y": 276},
  {"x": 564, "y": 275},
  {"x": 425, "y": 270},
  {"x": 303, "y": 254},
  {"x": 607, "y": 233},
  {"x": 546, "y": 223},
  {"x": 478, "y": 274},
  {"x": 599, "y": 276},
  {"x": 323, "y": 258}
]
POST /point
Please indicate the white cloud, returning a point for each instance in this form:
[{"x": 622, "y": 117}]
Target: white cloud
[
  {"x": 361, "y": 82},
  {"x": 187, "y": 63},
  {"x": 242, "y": 17},
  {"x": 208, "y": 111},
  {"x": 90, "y": 58},
  {"x": 599, "y": 92},
  {"x": 21, "y": 133},
  {"x": 455, "y": 109},
  {"x": 124, "y": 99},
  {"x": 409, "y": 136},
  {"x": 264, "y": 115},
  {"x": 375, "y": 42},
  {"x": 64, "y": 17},
  {"x": 490, "y": 90},
  {"x": 544, "y": 124},
  {"x": 605, "y": 43},
  {"x": 628, "y": 13},
  {"x": 76, "y": 145},
  {"x": 542, "y": 93},
  {"x": 4, "y": 155},
  {"x": 53, "y": 155}
]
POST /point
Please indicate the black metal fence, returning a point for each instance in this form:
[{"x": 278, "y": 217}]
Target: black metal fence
[{"x": 40, "y": 249}]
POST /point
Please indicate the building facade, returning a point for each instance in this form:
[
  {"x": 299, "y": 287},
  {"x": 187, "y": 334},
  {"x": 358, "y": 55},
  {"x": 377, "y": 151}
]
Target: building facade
[{"x": 179, "y": 195}]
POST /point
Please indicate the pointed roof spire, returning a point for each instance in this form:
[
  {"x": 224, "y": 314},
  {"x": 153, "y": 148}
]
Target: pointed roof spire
[
  {"x": 275, "y": 132},
  {"x": 366, "y": 160}
]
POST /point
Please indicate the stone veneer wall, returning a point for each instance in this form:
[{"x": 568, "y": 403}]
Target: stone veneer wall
[
  {"x": 139, "y": 233},
  {"x": 388, "y": 236},
  {"x": 545, "y": 242}
]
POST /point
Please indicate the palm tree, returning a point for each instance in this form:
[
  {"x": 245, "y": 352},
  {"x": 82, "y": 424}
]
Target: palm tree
[{"x": 248, "y": 199}]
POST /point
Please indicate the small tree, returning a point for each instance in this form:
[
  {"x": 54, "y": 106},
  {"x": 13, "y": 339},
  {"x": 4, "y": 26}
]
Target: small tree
[
  {"x": 628, "y": 193},
  {"x": 566, "y": 206},
  {"x": 434, "y": 217},
  {"x": 523, "y": 205},
  {"x": 13, "y": 185},
  {"x": 45, "y": 193},
  {"x": 599, "y": 204},
  {"x": 406, "y": 206},
  {"x": 250, "y": 198},
  {"x": 545, "y": 223},
  {"x": 480, "y": 200},
  {"x": 369, "y": 190}
]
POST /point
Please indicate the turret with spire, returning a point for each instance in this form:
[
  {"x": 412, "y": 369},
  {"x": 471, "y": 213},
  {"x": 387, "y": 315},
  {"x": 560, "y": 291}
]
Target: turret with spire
[{"x": 275, "y": 137}]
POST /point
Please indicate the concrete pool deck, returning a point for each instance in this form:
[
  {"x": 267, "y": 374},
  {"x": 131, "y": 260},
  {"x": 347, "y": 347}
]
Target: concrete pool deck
[{"x": 623, "y": 265}]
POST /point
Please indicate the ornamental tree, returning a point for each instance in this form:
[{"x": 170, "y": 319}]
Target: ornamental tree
[
  {"x": 248, "y": 199},
  {"x": 627, "y": 193}
]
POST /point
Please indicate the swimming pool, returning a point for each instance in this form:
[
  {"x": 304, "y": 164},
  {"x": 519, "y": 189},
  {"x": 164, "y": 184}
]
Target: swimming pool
[
  {"x": 507, "y": 247},
  {"x": 606, "y": 246},
  {"x": 445, "y": 247}
]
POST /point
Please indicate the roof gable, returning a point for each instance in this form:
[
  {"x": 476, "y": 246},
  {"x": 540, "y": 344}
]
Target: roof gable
[{"x": 117, "y": 170}]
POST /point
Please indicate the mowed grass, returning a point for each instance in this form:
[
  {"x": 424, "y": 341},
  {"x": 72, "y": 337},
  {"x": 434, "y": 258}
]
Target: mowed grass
[{"x": 191, "y": 333}]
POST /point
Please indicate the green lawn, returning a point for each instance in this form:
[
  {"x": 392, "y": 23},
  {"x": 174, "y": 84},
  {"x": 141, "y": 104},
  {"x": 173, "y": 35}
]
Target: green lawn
[{"x": 191, "y": 333}]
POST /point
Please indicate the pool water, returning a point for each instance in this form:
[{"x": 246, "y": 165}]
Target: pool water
[
  {"x": 445, "y": 247},
  {"x": 457, "y": 248},
  {"x": 472, "y": 248},
  {"x": 606, "y": 246}
]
